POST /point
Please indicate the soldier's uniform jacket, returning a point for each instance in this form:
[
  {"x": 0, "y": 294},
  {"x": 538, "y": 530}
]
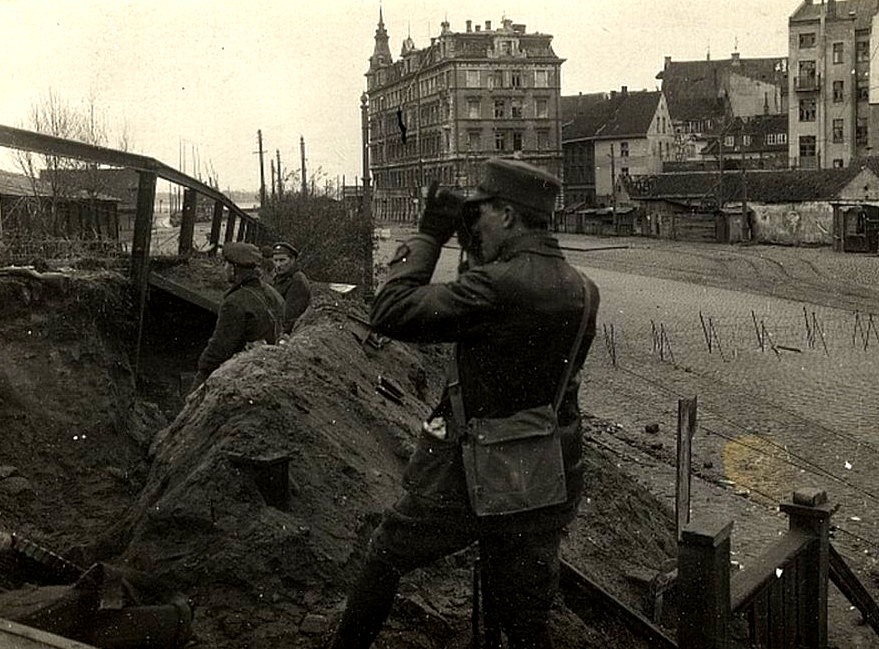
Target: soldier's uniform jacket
[
  {"x": 293, "y": 287},
  {"x": 251, "y": 310},
  {"x": 515, "y": 320}
]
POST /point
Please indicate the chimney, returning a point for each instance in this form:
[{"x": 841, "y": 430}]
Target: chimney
[
  {"x": 469, "y": 24},
  {"x": 624, "y": 91},
  {"x": 667, "y": 63},
  {"x": 488, "y": 25},
  {"x": 476, "y": 28},
  {"x": 613, "y": 94},
  {"x": 735, "y": 59}
]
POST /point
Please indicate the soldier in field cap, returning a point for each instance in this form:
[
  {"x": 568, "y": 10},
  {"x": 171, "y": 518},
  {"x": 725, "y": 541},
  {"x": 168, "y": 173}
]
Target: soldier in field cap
[
  {"x": 251, "y": 310},
  {"x": 516, "y": 312},
  {"x": 290, "y": 282}
]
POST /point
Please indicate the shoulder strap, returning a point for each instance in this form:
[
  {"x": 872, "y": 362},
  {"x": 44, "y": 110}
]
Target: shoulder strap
[
  {"x": 575, "y": 348},
  {"x": 454, "y": 387}
]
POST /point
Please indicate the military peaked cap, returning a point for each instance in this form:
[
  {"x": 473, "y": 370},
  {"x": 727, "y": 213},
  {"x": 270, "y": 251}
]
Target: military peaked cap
[
  {"x": 242, "y": 254},
  {"x": 283, "y": 246},
  {"x": 517, "y": 182}
]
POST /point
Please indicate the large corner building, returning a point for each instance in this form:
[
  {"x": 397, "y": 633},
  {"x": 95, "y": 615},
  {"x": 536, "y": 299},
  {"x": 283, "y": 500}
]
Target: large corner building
[
  {"x": 833, "y": 82},
  {"x": 439, "y": 111}
]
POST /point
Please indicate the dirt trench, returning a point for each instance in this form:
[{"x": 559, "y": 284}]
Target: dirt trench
[{"x": 184, "y": 490}]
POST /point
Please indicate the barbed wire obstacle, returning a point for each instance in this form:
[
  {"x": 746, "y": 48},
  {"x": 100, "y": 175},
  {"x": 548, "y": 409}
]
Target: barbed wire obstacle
[
  {"x": 712, "y": 339},
  {"x": 763, "y": 335},
  {"x": 862, "y": 332},
  {"x": 610, "y": 343},
  {"x": 814, "y": 328},
  {"x": 661, "y": 343}
]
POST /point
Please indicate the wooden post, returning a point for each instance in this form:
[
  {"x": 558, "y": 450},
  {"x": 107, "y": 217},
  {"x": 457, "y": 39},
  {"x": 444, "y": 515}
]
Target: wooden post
[
  {"x": 140, "y": 251},
  {"x": 187, "y": 223},
  {"x": 703, "y": 586},
  {"x": 216, "y": 224},
  {"x": 686, "y": 430},
  {"x": 809, "y": 512},
  {"x": 143, "y": 227},
  {"x": 230, "y": 228}
]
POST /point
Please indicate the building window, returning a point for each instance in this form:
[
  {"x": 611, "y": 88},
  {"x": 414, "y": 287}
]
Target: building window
[
  {"x": 624, "y": 171},
  {"x": 500, "y": 141},
  {"x": 807, "y": 146},
  {"x": 517, "y": 141},
  {"x": 746, "y": 140},
  {"x": 837, "y": 52},
  {"x": 542, "y": 140},
  {"x": 624, "y": 149},
  {"x": 729, "y": 141},
  {"x": 808, "y": 110},
  {"x": 838, "y": 92},
  {"x": 838, "y": 131},
  {"x": 472, "y": 78},
  {"x": 496, "y": 80},
  {"x": 499, "y": 106},
  {"x": 838, "y": 163},
  {"x": 541, "y": 78},
  {"x": 542, "y": 108},
  {"x": 474, "y": 142},
  {"x": 516, "y": 78},
  {"x": 862, "y": 51},
  {"x": 807, "y": 75},
  {"x": 473, "y": 108},
  {"x": 770, "y": 139},
  {"x": 863, "y": 92},
  {"x": 782, "y": 138},
  {"x": 516, "y": 109},
  {"x": 807, "y": 40},
  {"x": 506, "y": 47},
  {"x": 861, "y": 132}
]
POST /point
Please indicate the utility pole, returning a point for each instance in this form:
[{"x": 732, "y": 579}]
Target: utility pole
[
  {"x": 272, "y": 168},
  {"x": 262, "y": 170},
  {"x": 302, "y": 153},
  {"x": 366, "y": 200},
  {"x": 613, "y": 190},
  {"x": 745, "y": 224},
  {"x": 280, "y": 174}
]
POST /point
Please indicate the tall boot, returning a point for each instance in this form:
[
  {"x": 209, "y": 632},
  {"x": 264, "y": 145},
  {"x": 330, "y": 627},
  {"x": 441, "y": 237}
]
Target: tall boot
[{"x": 368, "y": 606}]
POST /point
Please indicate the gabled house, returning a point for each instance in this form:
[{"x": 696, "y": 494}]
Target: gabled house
[
  {"x": 705, "y": 96},
  {"x": 606, "y": 137},
  {"x": 794, "y": 207},
  {"x": 758, "y": 142}
]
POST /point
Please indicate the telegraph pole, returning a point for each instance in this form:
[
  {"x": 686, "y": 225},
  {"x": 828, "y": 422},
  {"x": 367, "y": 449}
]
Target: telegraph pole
[
  {"x": 302, "y": 153},
  {"x": 280, "y": 175},
  {"x": 262, "y": 170},
  {"x": 613, "y": 190},
  {"x": 366, "y": 200}
]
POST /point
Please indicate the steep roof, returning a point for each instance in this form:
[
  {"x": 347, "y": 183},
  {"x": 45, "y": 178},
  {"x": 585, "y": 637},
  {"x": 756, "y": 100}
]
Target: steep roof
[
  {"x": 696, "y": 89},
  {"x": 601, "y": 116},
  {"x": 765, "y": 186}
]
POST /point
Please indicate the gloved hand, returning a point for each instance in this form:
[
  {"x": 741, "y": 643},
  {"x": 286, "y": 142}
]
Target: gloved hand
[{"x": 442, "y": 213}]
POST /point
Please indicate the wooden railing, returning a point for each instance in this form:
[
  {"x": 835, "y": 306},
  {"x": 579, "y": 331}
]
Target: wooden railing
[{"x": 782, "y": 596}]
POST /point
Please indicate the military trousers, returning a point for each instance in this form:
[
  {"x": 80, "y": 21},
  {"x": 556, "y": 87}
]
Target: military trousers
[{"x": 520, "y": 566}]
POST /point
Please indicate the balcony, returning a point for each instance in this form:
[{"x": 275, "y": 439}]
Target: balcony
[{"x": 806, "y": 83}]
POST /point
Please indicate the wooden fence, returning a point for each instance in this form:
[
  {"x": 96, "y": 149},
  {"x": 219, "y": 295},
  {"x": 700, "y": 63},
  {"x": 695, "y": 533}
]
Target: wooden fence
[{"x": 781, "y": 598}]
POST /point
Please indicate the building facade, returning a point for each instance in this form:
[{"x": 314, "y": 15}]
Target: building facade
[
  {"x": 606, "y": 137},
  {"x": 705, "y": 97},
  {"x": 831, "y": 114},
  {"x": 439, "y": 111}
]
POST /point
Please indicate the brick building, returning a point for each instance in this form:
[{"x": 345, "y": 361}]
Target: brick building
[{"x": 438, "y": 111}]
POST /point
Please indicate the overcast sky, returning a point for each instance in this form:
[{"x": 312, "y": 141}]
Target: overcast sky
[{"x": 209, "y": 73}]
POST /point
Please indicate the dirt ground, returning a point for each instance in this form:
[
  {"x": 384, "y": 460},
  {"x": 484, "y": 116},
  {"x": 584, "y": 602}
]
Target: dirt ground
[
  {"x": 96, "y": 472},
  {"x": 99, "y": 468}
]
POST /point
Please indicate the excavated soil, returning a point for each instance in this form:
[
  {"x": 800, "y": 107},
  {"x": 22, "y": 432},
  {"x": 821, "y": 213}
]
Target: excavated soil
[{"x": 99, "y": 468}]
